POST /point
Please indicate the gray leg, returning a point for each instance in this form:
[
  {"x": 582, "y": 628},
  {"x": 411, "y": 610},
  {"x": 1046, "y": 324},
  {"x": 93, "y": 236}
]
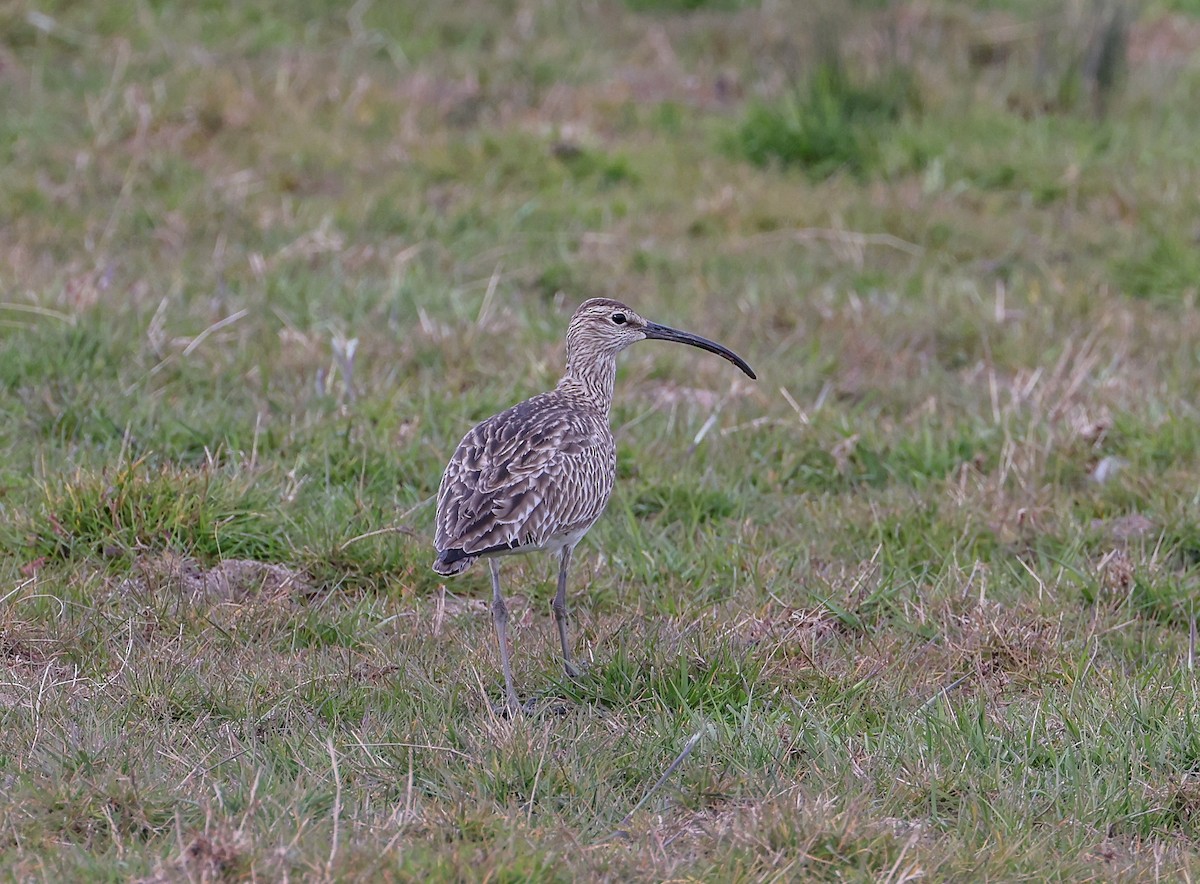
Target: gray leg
[
  {"x": 560, "y": 610},
  {"x": 500, "y": 621}
]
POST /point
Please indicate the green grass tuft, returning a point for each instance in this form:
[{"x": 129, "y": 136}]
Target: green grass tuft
[
  {"x": 209, "y": 513},
  {"x": 683, "y": 504},
  {"x": 1168, "y": 269},
  {"x": 830, "y": 125},
  {"x": 720, "y": 685}
]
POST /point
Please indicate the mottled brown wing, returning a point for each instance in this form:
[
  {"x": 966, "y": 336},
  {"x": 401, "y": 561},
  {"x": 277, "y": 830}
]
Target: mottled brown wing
[{"x": 529, "y": 474}]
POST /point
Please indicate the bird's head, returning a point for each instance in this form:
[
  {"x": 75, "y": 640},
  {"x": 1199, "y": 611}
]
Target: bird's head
[{"x": 603, "y": 327}]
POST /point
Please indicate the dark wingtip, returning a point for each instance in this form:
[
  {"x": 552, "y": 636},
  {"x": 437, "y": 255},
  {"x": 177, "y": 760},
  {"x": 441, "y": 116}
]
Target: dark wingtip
[{"x": 452, "y": 561}]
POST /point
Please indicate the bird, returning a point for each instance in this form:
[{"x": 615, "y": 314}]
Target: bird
[{"x": 537, "y": 476}]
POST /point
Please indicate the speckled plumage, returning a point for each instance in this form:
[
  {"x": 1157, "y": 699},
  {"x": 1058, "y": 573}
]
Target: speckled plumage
[
  {"x": 538, "y": 475},
  {"x": 532, "y": 477}
]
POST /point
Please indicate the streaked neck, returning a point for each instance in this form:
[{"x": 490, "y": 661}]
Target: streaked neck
[{"x": 591, "y": 379}]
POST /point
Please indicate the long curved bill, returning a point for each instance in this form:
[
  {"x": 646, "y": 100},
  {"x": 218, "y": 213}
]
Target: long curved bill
[{"x": 657, "y": 332}]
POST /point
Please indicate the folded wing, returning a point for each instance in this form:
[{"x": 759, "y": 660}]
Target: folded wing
[{"x": 523, "y": 478}]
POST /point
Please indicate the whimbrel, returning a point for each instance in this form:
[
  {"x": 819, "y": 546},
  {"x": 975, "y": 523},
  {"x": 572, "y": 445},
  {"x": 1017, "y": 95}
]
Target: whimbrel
[{"x": 538, "y": 475}]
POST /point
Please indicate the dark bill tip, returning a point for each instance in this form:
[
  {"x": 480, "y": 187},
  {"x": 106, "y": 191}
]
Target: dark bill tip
[{"x": 657, "y": 332}]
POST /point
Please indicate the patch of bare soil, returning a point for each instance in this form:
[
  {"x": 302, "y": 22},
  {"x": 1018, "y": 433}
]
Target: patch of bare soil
[
  {"x": 31, "y": 662},
  {"x": 989, "y": 647},
  {"x": 210, "y": 856},
  {"x": 228, "y": 580},
  {"x": 1132, "y": 526},
  {"x": 1169, "y": 38},
  {"x": 787, "y": 625}
]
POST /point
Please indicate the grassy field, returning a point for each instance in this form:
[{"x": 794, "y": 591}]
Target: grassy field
[{"x": 919, "y": 603}]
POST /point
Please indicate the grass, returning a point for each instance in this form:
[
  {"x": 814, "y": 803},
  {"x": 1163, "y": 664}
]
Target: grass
[
  {"x": 832, "y": 125},
  {"x": 920, "y": 601}
]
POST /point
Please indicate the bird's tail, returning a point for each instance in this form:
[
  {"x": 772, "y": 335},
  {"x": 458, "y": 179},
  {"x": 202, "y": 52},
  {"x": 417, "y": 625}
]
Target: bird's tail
[{"x": 452, "y": 561}]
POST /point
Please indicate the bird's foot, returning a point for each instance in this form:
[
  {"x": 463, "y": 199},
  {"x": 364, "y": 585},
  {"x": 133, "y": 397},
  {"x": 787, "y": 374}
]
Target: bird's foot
[
  {"x": 513, "y": 708},
  {"x": 575, "y": 670}
]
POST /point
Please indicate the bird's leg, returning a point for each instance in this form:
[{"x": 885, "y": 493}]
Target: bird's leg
[
  {"x": 500, "y": 621},
  {"x": 560, "y": 610}
]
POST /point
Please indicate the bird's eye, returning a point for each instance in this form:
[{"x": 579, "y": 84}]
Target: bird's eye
[{"x": 618, "y": 318}]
